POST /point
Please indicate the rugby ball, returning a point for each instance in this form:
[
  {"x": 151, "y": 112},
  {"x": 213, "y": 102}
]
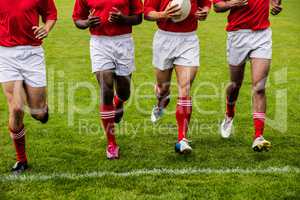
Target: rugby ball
[{"x": 185, "y": 6}]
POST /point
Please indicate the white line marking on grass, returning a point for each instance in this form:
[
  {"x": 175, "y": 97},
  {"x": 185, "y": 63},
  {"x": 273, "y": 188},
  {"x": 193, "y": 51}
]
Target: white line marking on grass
[{"x": 145, "y": 172}]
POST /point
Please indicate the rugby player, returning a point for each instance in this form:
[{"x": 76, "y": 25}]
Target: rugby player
[
  {"x": 112, "y": 55},
  {"x": 249, "y": 38},
  {"x": 22, "y": 65},
  {"x": 175, "y": 46}
]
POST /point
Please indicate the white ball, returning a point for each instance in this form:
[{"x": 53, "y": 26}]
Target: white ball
[{"x": 185, "y": 6}]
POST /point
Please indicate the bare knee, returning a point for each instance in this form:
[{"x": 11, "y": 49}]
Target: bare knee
[
  {"x": 259, "y": 89},
  {"x": 16, "y": 117},
  {"x": 123, "y": 93},
  {"x": 259, "y": 92},
  {"x": 17, "y": 110},
  {"x": 107, "y": 95},
  {"x": 106, "y": 83},
  {"x": 41, "y": 115},
  {"x": 162, "y": 89},
  {"x": 234, "y": 86},
  {"x": 107, "y": 92}
]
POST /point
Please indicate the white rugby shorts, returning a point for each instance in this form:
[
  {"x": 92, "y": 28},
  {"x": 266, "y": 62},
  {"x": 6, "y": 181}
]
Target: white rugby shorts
[
  {"x": 170, "y": 48},
  {"x": 25, "y": 63},
  {"x": 112, "y": 53},
  {"x": 246, "y": 44}
]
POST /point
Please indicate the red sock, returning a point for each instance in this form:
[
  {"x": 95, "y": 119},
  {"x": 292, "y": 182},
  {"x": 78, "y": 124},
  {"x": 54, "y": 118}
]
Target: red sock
[
  {"x": 259, "y": 123},
  {"x": 19, "y": 143},
  {"x": 183, "y": 116},
  {"x": 108, "y": 117},
  {"x": 117, "y": 101},
  {"x": 230, "y": 107}
]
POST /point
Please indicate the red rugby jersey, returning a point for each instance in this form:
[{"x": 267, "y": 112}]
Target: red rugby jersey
[
  {"x": 17, "y": 17},
  {"x": 253, "y": 16},
  {"x": 188, "y": 25},
  {"x": 102, "y": 8}
]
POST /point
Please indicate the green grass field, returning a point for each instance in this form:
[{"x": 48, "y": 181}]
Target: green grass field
[{"x": 71, "y": 144}]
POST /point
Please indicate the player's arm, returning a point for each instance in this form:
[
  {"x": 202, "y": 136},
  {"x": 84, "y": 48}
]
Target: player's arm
[
  {"x": 83, "y": 16},
  {"x": 134, "y": 17},
  {"x": 48, "y": 11},
  {"x": 42, "y": 32},
  {"x": 276, "y": 7},
  {"x": 91, "y": 21},
  {"x": 151, "y": 12},
  {"x": 203, "y": 9},
  {"x": 224, "y": 6},
  {"x": 116, "y": 16}
]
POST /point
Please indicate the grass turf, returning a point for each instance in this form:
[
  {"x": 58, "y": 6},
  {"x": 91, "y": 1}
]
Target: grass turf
[{"x": 74, "y": 143}]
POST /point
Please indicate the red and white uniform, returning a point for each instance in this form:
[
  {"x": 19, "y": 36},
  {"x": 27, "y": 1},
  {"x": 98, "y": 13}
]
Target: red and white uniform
[
  {"x": 102, "y": 8},
  {"x": 190, "y": 24},
  {"x": 254, "y": 16},
  {"x": 21, "y": 56},
  {"x": 111, "y": 44},
  {"x": 18, "y": 17},
  {"x": 176, "y": 43},
  {"x": 249, "y": 33}
]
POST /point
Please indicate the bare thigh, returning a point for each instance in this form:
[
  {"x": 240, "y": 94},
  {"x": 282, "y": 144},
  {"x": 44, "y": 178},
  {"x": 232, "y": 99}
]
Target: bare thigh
[
  {"x": 36, "y": 99},
  {"x": 260, "y": 70},
  {"x": 185, "y": 78}
]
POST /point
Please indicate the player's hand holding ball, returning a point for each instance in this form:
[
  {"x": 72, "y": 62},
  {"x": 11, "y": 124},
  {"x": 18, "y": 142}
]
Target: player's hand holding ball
[
  {"x": 202, "y": 13},
  {"x": 171, "y": 11},
  {"x": 276, "y": 7}
]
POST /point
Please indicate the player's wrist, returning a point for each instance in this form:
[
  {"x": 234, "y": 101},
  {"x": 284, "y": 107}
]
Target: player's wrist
[
  {"x": 47, "y": 29},
  {"x": 49, "y": 25},
  {"x": 87, "y": 23},
  {"x": 206, "y": 9},
  {"x": 162, "y": 15},
  {"x": 125, "y": 19},
  {"x": 229, "y": 4}
]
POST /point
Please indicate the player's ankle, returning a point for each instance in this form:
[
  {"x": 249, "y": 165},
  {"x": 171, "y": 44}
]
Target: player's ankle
[
  {"x": 229, "y": 116},
  {"x": 181, "y": 137},
  {"x": 112, "y": 143},
  {"x": 257, "y": 135}
]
